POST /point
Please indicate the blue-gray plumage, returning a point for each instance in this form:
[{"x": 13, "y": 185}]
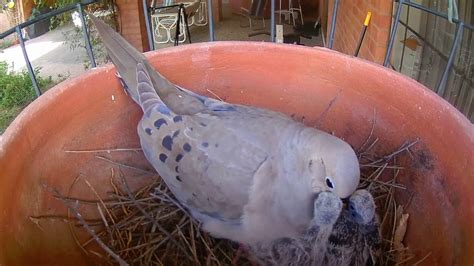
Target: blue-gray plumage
[{"x": 255, "y": 183}]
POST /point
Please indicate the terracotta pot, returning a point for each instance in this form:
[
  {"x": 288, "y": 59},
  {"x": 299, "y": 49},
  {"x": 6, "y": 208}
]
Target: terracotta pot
[{"x": 92, "y": 112}]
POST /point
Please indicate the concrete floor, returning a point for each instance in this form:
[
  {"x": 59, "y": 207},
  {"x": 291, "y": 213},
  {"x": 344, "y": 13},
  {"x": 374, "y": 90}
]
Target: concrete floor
[
  {"x": 229, "y": 29},
  {"x": 54, "y": 56},
  {"x": 49, "y": 52}
]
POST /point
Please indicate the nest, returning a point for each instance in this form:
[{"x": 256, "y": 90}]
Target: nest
[{"x": 150, "y": 227}]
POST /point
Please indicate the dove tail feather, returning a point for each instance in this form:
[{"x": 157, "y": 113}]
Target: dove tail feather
[
  {"x": 126, "y": 58},
  {"x": 147, "y": 96}
]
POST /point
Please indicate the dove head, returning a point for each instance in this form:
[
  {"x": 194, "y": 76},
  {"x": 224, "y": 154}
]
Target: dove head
[
  {"x": 361, "y": 206},
  {"x": 331, "y": 163}
]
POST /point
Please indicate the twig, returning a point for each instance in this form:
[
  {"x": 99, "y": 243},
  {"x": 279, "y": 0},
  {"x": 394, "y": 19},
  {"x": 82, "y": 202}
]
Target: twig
[
  {"x": 105, "y": 150},
  {"x": 96, "y": 238},
  {"x": 124, "y": 165},
  {"x": 73, "y": 208},
  {"x": 99, "y": 198},
  {"x": 215, "y": 95},
  {"x": 168, "y": 235},
  {"x": 371, "y": 132},
  {"x": 422, "y": 259},
  {"x": 71, "y": 229}
]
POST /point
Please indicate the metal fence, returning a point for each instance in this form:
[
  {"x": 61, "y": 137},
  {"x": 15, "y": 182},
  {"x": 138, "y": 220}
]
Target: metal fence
[
  {"x": 18, "y": 30},
  {"x": 457, "y": 39},
  {"x": 464, "y": 105}
]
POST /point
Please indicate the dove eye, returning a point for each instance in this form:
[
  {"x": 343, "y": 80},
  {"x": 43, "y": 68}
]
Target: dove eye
[{"x": 329, "y": 182}]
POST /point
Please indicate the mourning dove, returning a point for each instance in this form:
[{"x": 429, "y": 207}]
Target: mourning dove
[
  {"x": 248, "y": 174},
  {"x": 351, "y": 240}
]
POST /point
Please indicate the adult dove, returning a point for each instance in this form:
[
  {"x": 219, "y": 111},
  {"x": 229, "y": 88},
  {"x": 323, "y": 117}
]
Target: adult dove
[{"x": 248, "y": 174}]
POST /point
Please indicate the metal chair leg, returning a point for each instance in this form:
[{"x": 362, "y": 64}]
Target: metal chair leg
[{"x": 301, "y": 12}]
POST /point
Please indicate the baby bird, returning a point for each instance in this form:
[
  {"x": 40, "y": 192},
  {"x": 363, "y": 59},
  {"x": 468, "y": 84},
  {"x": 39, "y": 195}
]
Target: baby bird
[
  {"x": 356, "y": 238},
  {"x": 308, "y": 249},
  {"x": 335, "y": 237}
]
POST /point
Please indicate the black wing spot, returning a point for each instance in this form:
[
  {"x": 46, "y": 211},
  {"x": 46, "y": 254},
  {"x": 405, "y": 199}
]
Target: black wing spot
[
  {"x": 176, "y": 133},
  {"x": 158, "y": 123},
  {"x": 178, "y": 178},
  {"x": 177, "y": 119},
  {"x": 167, "y": 142},
  {"x": 163, "y": 157},
  {"x": 187, "y": 147},
  {"x": 179, "y": 157},
  {"x": 148, "y": 131}
]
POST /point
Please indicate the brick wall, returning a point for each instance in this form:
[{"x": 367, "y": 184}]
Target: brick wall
[
  {"x": 132, "y": 23},
  {"x": 350, "y": 18}
]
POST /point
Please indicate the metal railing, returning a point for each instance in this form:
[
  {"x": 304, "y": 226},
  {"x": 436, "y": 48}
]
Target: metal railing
[
  {"x": 17, "y": 29},
  {"x": 461, "y": 25},
  {"x": 333, "y": 24}
]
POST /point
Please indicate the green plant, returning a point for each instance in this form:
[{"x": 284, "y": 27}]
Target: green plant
[
  {"x": 63, "y": 18},
  {"x": 74, "y": 40},
  {"x": 7, "y": 115},
  {"x": 16, "y": 89},
  {"x": 36, "y": 11},
  {"x": 40, "y": 3}
]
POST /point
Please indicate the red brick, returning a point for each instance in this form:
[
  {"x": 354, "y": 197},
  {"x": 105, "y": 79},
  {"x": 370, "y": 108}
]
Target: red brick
[
  {"x": 351, "y": 16},
  {"x": 381, "y": 21},
  {"x": 384, "y": 7},
  {"x": 379, "y": 53},
  {"x": 133, "y": 26}
]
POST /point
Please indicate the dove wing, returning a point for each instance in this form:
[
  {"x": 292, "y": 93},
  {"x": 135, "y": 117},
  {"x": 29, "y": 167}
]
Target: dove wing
[{"x": 208, "y": 159}]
